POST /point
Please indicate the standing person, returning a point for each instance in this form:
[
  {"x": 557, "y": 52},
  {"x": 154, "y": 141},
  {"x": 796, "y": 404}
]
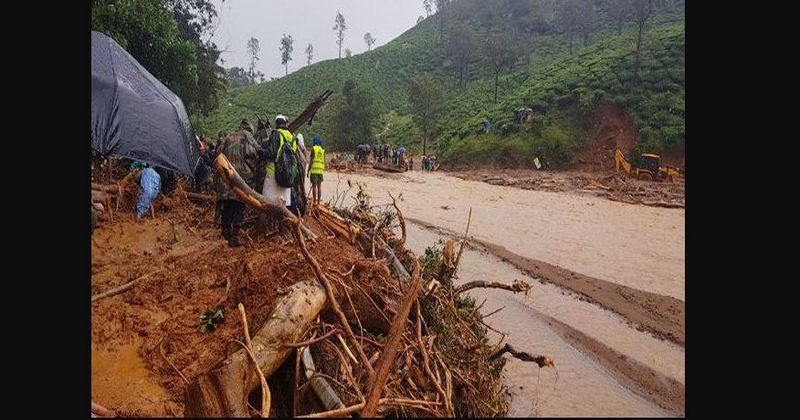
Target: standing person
[
  {"x": 317, "y": 169},
  {"x": 204, "y": 169},
  {"x": 241, "y": 149},
  {"x": 281, "y": 137},
  {"x": 299, "y": 192},
  {"x": 150, "y": 187},
  {"x": 401, "y": 157}
]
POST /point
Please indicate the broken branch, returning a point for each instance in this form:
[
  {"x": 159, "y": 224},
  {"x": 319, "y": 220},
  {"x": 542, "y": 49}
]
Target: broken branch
[
  {"x": 126, "y": 286},
  {"x": 312, "y": 341},
  {"x": 390, "y": 350},
  {"x": 266, "y": 395},
  {"x": 542, "y": 361},
  {"x": 517, "y": 286},
  {"x": 400, "y": 217},
  {"x": 463, "y": 244}
]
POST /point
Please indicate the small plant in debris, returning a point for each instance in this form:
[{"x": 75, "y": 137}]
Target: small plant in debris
[
  {"x": 362, "y": 198},
  {"x": 386, "y": 218},
  {"x": 210, "y": 319}
]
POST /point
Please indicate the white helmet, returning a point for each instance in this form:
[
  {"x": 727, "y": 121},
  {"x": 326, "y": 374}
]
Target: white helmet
[{"x": 280, "y": 118}]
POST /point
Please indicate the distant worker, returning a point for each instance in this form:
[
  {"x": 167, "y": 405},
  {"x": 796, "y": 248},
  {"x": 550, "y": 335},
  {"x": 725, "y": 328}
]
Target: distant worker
[
  {"x": 317, "y": 169},
  {"x": 401, "y": 157},
  {"x": 487, "y": 126},
  {"x": 528, "y": 116}
]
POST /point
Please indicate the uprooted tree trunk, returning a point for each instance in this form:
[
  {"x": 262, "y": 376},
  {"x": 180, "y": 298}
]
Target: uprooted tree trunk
[{"x": 223, "y": 391}]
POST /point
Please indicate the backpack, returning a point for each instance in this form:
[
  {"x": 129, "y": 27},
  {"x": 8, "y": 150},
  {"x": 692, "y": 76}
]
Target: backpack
[{"x": 287, "y": 168}]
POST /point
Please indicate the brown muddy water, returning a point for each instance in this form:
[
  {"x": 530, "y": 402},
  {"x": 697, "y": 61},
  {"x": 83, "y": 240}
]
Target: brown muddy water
[
  {"x": 581, "y": 385},
  {"x": 118, "y": 374},
  {"x": 605, "y": 366},
  {"x": 632, "y": 245}
]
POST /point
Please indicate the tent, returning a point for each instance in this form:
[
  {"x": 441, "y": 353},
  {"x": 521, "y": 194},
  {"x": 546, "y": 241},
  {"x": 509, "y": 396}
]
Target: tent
[{"x": 136, "y": 116}]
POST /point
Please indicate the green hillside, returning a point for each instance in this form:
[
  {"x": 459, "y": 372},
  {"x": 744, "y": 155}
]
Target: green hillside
[{"x": 564, "y": 87}]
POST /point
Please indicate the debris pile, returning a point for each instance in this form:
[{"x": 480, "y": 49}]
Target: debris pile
[
  {"x": 614, "y": 187},
  {"x": 338, "y": 316}
]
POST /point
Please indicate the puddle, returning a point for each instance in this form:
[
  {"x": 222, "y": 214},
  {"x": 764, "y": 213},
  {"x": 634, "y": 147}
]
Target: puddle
[{"x": 120, "y": 380}]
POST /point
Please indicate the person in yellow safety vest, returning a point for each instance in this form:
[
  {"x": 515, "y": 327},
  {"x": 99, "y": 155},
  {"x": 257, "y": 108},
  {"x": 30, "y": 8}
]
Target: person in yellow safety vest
[
  {"x": 316, "y": 169},
  {"x": 280, "y": 137}
]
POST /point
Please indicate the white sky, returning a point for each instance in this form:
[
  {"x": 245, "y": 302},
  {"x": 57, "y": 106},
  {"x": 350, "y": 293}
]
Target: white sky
[{"x": 307, "y": 21}]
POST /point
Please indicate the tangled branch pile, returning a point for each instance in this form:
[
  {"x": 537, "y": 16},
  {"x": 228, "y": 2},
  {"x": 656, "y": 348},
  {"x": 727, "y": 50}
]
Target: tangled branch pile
[{"x": 353, "y": 323}]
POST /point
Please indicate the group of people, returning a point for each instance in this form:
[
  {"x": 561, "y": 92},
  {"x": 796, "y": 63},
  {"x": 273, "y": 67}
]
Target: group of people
[
  {"x": 430, "y": 163},
  {"x": 274, "y": 161},
  {"x": 388, "y": 155},
  {"x": 523, "y": 116}
]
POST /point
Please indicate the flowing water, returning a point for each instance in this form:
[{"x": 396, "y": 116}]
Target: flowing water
[{"x": 593, "y": 236}]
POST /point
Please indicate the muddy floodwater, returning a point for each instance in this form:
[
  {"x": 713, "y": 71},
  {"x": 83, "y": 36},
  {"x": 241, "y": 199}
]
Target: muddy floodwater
[
  {"x": 636, "y": 246},
  {"x": 581, "y": 386},
  {"x": 584, "y": 234},
  {"x": 118, "y": 374}
]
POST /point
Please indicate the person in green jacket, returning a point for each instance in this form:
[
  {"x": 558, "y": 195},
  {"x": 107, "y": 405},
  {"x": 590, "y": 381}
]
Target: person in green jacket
[{"x": 317, "y": 169}]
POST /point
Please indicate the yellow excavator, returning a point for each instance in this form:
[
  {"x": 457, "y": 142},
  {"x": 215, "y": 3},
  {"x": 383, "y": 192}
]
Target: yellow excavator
[{"x": 651, "y": 168}]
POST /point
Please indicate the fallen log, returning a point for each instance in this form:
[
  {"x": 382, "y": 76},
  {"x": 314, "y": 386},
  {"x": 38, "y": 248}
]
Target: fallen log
[
  {"x": 105, "y": 187},
  {"x": 327, "y": 395},
  {"x": 223, "y": 391},
  {"x": 399, "y": 269},
  {"x": 334, "y": 222},
  {"x": 387, "y": 168},
  {"x": 664, "y": 204},
  {"x": 201, "y": 197},
  {"x": 99, "y": 196},
  {"x": 648, "y": 203}
]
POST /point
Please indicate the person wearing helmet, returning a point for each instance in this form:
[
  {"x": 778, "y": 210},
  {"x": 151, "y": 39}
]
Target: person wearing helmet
[
  {"x": 280, "y": 137},
  {"x": 316, "y": 169}
]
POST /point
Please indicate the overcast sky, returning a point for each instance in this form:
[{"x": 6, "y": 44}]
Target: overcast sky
[{"x": 307, "y": 21}]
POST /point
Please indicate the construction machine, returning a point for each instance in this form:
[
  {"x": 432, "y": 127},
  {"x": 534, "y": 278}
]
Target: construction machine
[{"x": 650, "y": 168}]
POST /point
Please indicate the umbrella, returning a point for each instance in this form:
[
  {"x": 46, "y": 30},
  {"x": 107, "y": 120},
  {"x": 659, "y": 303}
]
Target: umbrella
[{"x": 136, "y": 116}]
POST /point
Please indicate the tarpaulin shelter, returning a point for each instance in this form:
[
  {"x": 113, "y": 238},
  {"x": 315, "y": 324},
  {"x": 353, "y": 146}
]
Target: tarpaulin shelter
[{"x": 134, "y": 115}]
